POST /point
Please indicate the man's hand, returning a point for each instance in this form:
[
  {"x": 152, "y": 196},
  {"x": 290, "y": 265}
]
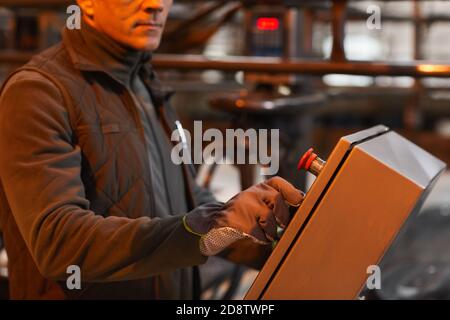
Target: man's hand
[{"x": 253, "y": 214}]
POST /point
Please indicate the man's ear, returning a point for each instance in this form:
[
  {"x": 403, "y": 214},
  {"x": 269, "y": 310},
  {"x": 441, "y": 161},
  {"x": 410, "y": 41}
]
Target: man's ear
[{"x": 87, "y": 6}]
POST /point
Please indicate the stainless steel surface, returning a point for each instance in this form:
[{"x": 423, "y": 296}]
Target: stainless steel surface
[{"x": 317, "y": 166}]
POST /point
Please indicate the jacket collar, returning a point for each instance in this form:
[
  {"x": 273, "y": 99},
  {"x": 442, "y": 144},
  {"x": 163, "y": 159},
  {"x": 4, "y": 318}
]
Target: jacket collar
[{"x": 91, "y": 51}]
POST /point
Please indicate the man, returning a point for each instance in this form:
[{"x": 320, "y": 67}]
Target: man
[{"x": 86, "y": 175}]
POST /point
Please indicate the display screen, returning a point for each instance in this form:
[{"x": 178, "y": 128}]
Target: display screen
[
  {"x": 267, "y": 24},
  {"x": 267, "y": 36}
]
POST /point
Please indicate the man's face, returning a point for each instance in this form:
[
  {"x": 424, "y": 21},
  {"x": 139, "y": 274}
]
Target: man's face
[{"x": 137, "y": 24}]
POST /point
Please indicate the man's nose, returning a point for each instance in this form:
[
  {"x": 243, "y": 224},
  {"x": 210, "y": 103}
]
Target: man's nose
[{"x": 153, "y": 5}]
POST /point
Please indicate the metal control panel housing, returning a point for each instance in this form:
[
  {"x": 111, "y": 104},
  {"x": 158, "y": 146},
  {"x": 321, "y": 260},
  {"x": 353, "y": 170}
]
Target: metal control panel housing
[{"x": 372, "y": 182}]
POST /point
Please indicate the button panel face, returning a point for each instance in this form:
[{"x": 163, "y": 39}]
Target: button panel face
[{"x": 342, "y": 227}]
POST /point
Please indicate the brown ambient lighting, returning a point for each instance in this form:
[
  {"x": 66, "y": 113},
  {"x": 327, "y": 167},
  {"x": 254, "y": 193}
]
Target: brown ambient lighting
[
  {"x": 431, "y": 68},
  {"x": 240, "y": 103}
]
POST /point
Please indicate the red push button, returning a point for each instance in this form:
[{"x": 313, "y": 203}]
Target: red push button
[{"x": 311, "y": 162}]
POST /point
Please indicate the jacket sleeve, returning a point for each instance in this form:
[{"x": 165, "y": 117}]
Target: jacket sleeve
[{"x": 40, "y": 173}]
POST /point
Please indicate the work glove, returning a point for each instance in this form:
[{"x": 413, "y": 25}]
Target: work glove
[{"x": 252, "y": 214}]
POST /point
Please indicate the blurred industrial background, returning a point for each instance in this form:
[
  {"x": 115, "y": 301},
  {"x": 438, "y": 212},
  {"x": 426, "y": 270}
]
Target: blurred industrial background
[{"x": 317, "y": 70}]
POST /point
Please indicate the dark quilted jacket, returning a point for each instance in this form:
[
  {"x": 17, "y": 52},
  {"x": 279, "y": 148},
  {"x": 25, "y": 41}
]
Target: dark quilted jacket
[{"x": 75, "y": 184}]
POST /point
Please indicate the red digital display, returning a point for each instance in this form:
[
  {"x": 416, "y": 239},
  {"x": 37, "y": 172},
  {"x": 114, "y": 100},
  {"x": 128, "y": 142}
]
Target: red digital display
[{"x": 268, "y": 24}]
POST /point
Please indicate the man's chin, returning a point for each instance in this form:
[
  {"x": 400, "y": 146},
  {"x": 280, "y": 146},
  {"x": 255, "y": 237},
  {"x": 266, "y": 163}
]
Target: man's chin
[{"x": 146, "y": 45}]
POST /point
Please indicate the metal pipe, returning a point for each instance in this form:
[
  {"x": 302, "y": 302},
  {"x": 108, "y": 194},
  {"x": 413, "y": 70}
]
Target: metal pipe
[
  {"x": 417, "y": 69},
  {"x": 338, "y": 28},
  {"x": 300, "y": 66}
]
